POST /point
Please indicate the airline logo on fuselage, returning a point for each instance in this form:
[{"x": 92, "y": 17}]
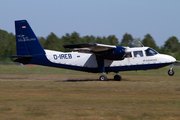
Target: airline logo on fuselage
[{"x": 62, "y": 56}]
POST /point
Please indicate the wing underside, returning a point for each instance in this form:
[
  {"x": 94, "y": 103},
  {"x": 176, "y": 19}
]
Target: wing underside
[{"x": 90, "y": 47}]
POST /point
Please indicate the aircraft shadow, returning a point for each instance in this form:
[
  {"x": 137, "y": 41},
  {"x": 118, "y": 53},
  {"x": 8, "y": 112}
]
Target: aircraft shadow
[
  {"x": 84, "y": 80},
  {"x": 79, "y": 80}
]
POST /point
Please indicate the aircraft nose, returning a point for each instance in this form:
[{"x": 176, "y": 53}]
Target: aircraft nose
[{"x": 172, "y": 59}]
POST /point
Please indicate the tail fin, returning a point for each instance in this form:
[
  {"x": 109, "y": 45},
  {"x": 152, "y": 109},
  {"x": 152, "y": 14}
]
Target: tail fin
[{"x": 26, "y": 41}]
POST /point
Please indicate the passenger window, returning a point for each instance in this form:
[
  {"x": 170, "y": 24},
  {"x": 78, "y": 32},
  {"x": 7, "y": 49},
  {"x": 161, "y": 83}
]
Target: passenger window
[
  {"x": 138, "y": 54},
  {"x": 128, "y": 55}
]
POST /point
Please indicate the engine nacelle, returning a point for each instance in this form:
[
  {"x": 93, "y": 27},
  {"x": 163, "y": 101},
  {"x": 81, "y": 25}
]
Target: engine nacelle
[{"x": 114, "y": 54}]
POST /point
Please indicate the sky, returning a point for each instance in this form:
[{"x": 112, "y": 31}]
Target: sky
[{"x": 159, "y": 18}]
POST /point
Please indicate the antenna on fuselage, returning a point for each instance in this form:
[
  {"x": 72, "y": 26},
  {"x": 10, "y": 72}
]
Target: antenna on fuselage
[{"x": 140, "y": 43}]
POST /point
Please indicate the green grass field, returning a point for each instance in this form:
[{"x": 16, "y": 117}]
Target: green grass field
[{"x": 40, "y": 93}]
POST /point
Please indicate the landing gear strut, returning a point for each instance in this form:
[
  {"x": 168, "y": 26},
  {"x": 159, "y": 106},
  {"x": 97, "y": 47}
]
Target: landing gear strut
[{"x": 171, "y": 71}]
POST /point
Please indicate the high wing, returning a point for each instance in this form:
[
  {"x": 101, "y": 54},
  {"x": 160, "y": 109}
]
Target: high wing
[
  {"x": 110, "y": 52},
  {"x": 90, "y": 47}
]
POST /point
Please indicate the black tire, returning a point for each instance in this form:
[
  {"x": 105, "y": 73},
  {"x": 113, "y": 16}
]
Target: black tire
[
  {"x": 117, "y": 77},
  {"x": 170, "y": 72},
  {"x": 103, "y": 78}
]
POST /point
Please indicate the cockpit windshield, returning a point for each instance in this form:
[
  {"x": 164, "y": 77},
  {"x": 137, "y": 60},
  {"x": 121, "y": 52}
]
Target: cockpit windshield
[{"x": 150, "y": 52}]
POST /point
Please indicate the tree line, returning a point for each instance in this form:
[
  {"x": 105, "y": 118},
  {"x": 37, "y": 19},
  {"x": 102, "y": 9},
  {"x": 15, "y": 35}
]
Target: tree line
[{"x": 53, "y": 42}]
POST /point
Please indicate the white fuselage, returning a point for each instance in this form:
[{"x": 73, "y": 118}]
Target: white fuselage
[{"x": 88, "y": 60}]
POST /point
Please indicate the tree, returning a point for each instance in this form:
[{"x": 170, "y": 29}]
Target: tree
[
  {"x": 105, "y": 40},
  {"x": 172, "y": 44},
  {"x": 127, "y": 40},
  {"x": 149, "y": 41},
  {"x": 75, "y": 38},
  {"x": 89, "y": 39},
  {"x": 42, "y": 41},
  {"x": 10, "y": 48},
  {"x": 7, "y": 45},
  {"x": 66, "y": 39},
  {"x": 177, "y": 55},
  {"x": 137, "y": 42},
  {"x": 113, "y": 40},
  {"x": 99, "y": 40},
  {"x": 172, "y": 47},
  {"x": 54, "y": 43}
]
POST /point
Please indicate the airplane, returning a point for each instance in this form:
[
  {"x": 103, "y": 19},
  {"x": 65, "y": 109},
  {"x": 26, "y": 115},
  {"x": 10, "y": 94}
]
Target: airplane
[{"x": 88, "y": 57}]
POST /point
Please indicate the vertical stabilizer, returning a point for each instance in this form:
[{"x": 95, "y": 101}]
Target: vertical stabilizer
[{"x": 26, "y": 41}]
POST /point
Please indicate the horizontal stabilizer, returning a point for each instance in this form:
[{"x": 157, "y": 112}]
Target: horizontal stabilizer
[
  {"x": 19, "y": 56},
  {"x": 23, "y": 60}
]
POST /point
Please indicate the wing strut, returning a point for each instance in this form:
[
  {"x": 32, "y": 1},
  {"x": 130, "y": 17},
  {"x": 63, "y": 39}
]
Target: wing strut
[
  {"x": 101, "y": 67},
  {"x": 100, "y": 62}
]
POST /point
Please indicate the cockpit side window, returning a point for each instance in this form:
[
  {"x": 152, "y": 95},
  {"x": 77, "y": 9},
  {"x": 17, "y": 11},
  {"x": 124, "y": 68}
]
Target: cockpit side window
[
  {"x": 138, "y": 54},
  {"x": 150, "y": 52}
]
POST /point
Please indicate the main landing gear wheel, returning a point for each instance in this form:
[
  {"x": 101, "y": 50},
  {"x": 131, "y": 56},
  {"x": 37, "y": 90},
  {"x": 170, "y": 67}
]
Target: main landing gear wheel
[
  {"x": 171, "y": 71},
  {"x": 117, "y": 77},
  {"x": 103, "y": 78}
]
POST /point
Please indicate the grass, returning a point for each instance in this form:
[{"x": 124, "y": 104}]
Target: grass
[
  {"x": 36, "y": 92},
  {"x": 42, "y": 70}
]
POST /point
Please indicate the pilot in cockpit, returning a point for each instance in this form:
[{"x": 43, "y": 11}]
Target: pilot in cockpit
[{"x": 139, "y": 54}]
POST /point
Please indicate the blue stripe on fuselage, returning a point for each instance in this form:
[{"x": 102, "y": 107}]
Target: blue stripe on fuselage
[{"x": 42, "y": 60}]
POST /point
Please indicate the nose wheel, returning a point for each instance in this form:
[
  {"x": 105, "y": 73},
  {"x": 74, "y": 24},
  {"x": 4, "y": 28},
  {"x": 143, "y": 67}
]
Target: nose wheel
[{"x": 171, "y": 71}]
